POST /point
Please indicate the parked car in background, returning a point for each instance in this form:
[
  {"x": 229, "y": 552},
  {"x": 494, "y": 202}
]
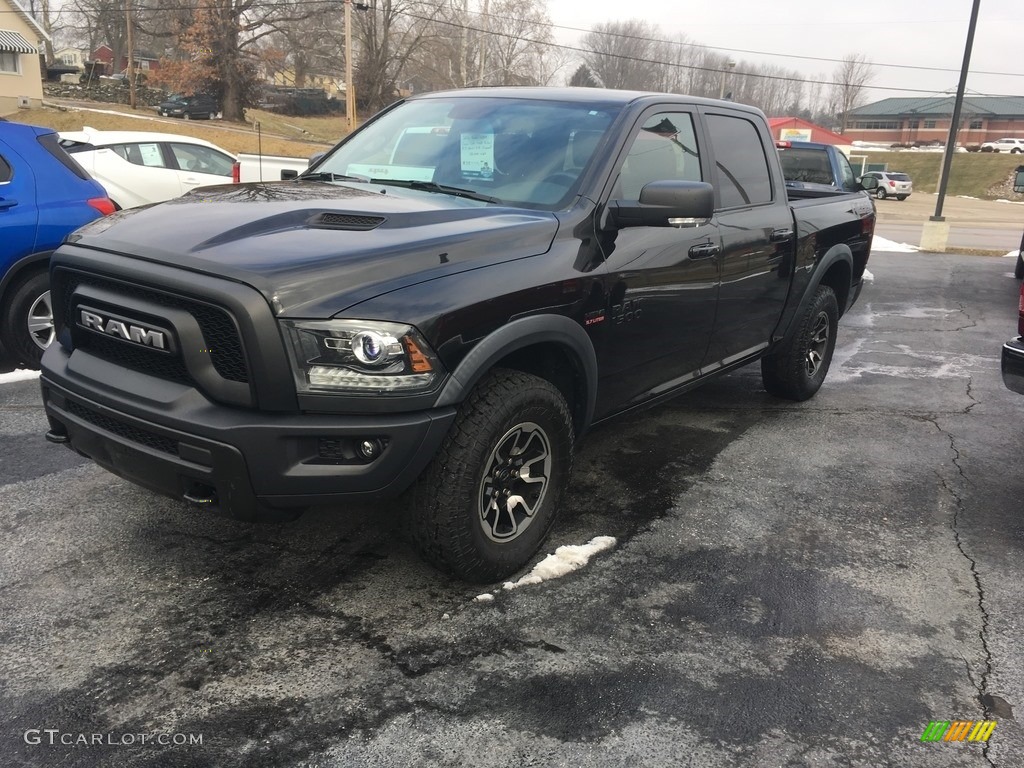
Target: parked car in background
[
  {"x": 139, "y": 167},
  {"x": 190, "y": 107},
  {"x": 1013, "y": 146},
  {"x": 44, "y": 196},
  {"x": 891, "y": 184}
]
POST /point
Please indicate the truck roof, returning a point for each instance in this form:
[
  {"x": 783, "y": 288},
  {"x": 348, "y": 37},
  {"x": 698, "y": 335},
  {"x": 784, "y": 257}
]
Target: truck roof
[{"x": 581, "y": 95}]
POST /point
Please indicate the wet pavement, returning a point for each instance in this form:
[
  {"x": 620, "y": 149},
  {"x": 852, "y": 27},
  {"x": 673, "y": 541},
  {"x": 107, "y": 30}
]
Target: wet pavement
[{"x": 793, "y": 585}]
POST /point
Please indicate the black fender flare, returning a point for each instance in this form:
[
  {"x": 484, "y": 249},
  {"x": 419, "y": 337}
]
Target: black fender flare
[
  {"x": 19, "y": 268},
  {"x": 837, "y": 253},
  {"x": 525, "y": 332}
]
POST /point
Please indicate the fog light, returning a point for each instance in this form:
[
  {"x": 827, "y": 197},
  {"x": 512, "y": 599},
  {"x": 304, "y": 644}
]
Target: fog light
[{"x": 369, "y": 449}]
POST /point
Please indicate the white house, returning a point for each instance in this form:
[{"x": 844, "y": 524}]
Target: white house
[{"x": 21, "y": 37}]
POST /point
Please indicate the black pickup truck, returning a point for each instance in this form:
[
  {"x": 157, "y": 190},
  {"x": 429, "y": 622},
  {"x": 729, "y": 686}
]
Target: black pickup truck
[{"x": 442, "y": 305}]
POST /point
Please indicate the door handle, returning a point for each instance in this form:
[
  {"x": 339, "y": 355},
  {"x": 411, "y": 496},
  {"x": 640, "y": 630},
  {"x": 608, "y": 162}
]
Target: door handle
[
  {"x": 6, "y": 203},
  {"x": 781, "y": 235},
  {"x": 704, "y": 251}
]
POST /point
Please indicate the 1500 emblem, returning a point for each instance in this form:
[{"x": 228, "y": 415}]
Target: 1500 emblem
[{"x": 122, "y": 329}]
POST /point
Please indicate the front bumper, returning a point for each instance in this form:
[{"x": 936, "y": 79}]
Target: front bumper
[
  {"x": 1013, "y": 365},
  {"x": 242, "y": 463}
]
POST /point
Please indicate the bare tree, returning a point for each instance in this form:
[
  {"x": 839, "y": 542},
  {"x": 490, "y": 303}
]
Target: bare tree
[
  {"x": 852, "y": 77},
  {"x": 620, "y": 53}
]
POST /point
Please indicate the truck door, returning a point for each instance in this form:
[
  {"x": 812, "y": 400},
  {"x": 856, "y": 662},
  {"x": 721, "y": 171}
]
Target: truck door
[
  {"x": 756, "y": 227},
  {"x": 661, "y": 281}
]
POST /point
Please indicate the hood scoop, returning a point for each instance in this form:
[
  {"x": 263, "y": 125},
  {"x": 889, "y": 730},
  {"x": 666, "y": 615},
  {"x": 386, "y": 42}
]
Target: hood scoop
[{"x": 346, "y": 221}]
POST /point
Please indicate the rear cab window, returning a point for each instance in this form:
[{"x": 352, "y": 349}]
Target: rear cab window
[{"x": 741, "y": 164}]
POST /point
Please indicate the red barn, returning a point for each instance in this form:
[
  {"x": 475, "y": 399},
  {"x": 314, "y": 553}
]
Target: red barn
[{"x": 798, "y": 129}]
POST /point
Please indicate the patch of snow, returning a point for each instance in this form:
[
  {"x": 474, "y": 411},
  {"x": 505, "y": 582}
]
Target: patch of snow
[
  {"x": 486, "y": 597},
  {"x": 566, "y": 559},
  {"x": 7, "y": 378},
  {"x": 868, "y": 277},
  {"x": 1011, "y": 202},
  {"x": 968, "y": 197},
  {"x": 881, "y": 244},
  {"x": 1011, "y": 255}
]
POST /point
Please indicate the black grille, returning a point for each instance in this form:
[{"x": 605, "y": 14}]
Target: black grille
[
  {"x": 136, "y": 357},
  {"x": 218, "y": 330},
  {"x": 346, "y": 221},
  {"x": 127, "y": 431}
]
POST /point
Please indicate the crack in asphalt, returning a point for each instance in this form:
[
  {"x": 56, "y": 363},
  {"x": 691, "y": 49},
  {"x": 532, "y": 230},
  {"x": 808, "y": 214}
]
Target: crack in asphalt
[
  {"x": 970, "y": 394},
  {"x": 981, "y": 686}
]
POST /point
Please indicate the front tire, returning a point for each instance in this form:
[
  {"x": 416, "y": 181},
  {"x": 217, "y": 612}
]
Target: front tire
[
  {"x": 880, "y": 193},
  {"x": 487, "y": 501},
  {"x": 28, "y": 320},
  {"x": 798, "y": 369}
]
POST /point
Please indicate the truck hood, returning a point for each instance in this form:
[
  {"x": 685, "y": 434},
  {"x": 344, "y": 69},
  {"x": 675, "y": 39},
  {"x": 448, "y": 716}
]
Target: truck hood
[{"x": 314, "y": 249}]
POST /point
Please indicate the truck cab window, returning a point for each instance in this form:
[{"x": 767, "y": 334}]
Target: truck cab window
[
  {"x": 743, "y": 176},
  {"x": 665, "y": 149}
]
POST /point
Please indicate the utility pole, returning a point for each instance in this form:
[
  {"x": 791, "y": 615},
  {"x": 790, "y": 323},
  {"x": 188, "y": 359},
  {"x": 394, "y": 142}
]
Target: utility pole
[
  {"x": 485, "y": 19},
  {"x": 350, "y": 87},
  {"x": 131, "y": 52},
  {"x": 954, "y": 125}
]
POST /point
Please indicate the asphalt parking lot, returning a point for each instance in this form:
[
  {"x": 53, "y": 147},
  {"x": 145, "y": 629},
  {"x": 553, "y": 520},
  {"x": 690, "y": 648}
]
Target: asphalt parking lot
[{"x": 793, "y": 585}]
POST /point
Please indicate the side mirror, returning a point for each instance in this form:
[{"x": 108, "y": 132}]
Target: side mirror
[
  {"x": 288, "y": 174},
  {"x": 1018, "y": 179},
  {"x": 666, "y": 204},
  {"x": 867, "y": 183},
  {"x": 314, "y": 159}
]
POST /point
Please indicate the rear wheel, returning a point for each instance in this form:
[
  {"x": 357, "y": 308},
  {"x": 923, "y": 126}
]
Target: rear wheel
[
  {"x": 486, "y": 503},
  {"x": 901, "y": 198},
  {"x": 28, "y": 320},
  {"x": 798, "y": 369},
  {"x": 186, "y": 115},
  {"x": 880, "y": 193}
]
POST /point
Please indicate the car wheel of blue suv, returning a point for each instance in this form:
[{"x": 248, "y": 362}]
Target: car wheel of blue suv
[{"x": 28, "y": 320}]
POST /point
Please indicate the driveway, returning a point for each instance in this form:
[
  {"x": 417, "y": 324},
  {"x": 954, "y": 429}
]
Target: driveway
[{"x": 792, "y": 585}]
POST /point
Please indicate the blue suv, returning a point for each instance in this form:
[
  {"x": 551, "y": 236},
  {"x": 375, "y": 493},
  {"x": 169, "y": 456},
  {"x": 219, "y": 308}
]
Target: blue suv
[{"x": 44, "y": 196}]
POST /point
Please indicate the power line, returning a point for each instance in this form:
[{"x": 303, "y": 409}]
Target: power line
[{"x": 658, "y": 62}]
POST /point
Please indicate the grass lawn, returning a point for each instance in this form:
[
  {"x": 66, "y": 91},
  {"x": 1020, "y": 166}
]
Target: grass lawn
[
  {"x": 233, "y": 137},
  {"x": 972, "y": 173}
]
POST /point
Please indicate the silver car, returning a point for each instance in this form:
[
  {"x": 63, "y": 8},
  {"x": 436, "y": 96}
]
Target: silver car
[{"x": 892, "y": 184}]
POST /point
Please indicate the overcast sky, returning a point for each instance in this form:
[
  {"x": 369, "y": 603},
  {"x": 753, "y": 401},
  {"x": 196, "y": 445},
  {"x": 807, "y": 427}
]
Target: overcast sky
[{"x": 886, "y": 31}]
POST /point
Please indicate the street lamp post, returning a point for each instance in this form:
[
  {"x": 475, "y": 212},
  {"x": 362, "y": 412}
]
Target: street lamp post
[{"x": 729, "y": 65}]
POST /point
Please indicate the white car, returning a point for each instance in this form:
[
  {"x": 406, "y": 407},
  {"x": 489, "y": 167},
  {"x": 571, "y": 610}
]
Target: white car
[
  {"x": 1013, "y": 146},
  {"x": 139, "y": 168}
]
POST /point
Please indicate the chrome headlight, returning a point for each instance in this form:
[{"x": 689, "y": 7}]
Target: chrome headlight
[{"x": 360, "y": 357}]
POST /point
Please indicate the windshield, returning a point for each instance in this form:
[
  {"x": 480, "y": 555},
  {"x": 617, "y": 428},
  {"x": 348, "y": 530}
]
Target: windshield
[{"x": 528, "y": 153}]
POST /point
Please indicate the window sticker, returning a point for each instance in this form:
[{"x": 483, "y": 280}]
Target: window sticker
[
  {"x": 382, "y": 171},
  {"x": 478, "y": 155},
  {"x": 151, "y": 155}
]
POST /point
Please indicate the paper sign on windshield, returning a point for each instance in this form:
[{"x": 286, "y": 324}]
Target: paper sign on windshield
[
  {"x": 406, "y": 172},
  {"x": 478, "y": 155}
]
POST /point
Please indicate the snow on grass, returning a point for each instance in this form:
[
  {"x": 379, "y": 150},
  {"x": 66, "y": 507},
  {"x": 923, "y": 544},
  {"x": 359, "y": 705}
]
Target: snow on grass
[
  {"x": 868, "y": 277},
  {"x": 486, "y": 597},
  {"x": 1011, "y": 255},
  {"x": 566, "y": 559},
  {"x": 881, "y": 244},
  {"x": 1011, "y": 202},
  {"x": 8, "y": 378}
]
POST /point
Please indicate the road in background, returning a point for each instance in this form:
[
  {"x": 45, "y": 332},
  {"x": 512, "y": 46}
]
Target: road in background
[
  {"x": 794, "y": 585},
  {"x": 982, "y": 224}
]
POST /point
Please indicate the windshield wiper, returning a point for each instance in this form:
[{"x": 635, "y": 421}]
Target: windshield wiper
[
  {"x": 328, "y": 176},
  {"x": 429, "y": 186}
]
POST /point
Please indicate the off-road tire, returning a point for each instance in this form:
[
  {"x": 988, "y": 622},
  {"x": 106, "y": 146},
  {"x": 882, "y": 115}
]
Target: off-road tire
[
  {"x": 787, "y": 373},
  {"x": 14, "y": 322},
  {"x": 446, "y": 510}
]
